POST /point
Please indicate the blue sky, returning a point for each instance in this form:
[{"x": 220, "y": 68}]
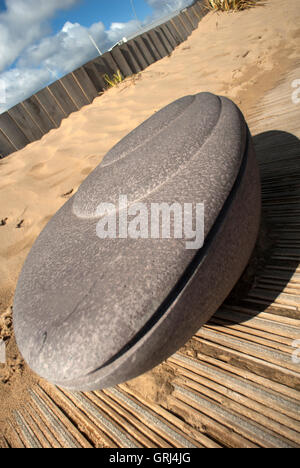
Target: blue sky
[
  {"x": 42, "y": 40},
  {"x": 88, "y": 12}
]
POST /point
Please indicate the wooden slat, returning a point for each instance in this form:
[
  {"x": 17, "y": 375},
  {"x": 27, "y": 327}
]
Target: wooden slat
[
  {"x": 284, "y": 427},
  {"x": 12, "y": 131},
  {"x": 125, "y": 422},
  {"x": 148, "y": 412},
  {"x": 169, "y": 37},
  {"x": 44, "y": 429},
  {"x": 85, "y": 83},
  {"x": 193, "y": 18},
  {"x": 36, "y": 430},
  {"x": 280, "y": 408},
  {"x": 211, "y": 426},
  {"x": 63, "y": 98},
  {"x": 103, "y": 421},
  {"x": 25, "y": 432},
  {"x": 243, "y": 360},
  {"x": 74, "y": 91},
  {"x": 83, "y": 420},
  {"x": 25, "y": 122},
  {"x": 6, "y": 146},
  {"x": 177, "y": 24},
  {"x": 109, "y": 62},
  {"x": 131, "y": 58},
  {"x": 237, "y": 422},
  {"x": 13, "y": 437},
  {"x": 3, "y": 443},
  {"x": 188, "y": 21},
  {"x": 157, "y": 43},
  {"x": 200, "y": 8},
  {"x": 38, "y": 115},
  {"x": 76, "y": 437},
  {"x": 164, "y": 40},
  {"x": 138, "y": 54},
  {"x": 121, "y": 62},
  {"x": 169, "y": 434},
  {"x": 262, "y": 381},
  {"x": 140, "y": 44},
  {"x": 54, "y": 421},
  {"x": 96, "y": 69},
  {"x": 257, "y": 323},
  {"x": 150, "y": 46},
  {"x": 50, "y": 106},
  {"x": 174, "y": 32}
]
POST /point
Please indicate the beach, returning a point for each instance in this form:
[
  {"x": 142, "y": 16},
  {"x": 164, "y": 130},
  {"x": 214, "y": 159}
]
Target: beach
[{"x": 238, "y": 55}]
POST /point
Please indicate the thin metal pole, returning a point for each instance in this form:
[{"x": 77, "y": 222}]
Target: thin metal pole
[
  {"x": 94, "y": 43},
  {"x": 134, "y": 10}
]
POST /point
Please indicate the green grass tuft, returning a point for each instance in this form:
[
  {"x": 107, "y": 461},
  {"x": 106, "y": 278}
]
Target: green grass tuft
[{"x": 115, "y": 79}]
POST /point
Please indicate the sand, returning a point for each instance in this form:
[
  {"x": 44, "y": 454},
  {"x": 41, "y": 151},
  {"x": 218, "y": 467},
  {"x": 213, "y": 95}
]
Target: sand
[{"x": 239, "y": 55}]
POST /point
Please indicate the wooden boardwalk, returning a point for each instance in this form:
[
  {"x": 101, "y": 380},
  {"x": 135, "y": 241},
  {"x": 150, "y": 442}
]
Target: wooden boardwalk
[{"x": 236, "y": 384}]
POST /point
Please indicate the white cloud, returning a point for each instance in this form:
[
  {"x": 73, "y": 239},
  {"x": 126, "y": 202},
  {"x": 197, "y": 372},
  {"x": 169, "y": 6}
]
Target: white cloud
[
  {"x": 72, "y": 46},
  {"x": 163, "y": 7},
  {"x": 119, "y": 30},
  {"x": 24, "y": 22},
  {"x": 57, "y": 55},
  {"x": 20, "y": 83},
  {"x": 39, "y": 57}
]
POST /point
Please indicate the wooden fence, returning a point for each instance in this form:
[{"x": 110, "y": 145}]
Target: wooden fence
[{"x": 29, "y": 120}]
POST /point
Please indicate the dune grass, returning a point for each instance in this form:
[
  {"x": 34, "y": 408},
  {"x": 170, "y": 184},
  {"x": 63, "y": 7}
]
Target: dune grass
[
  {"x": 115, "y": 79},
  {"x": 228, "y": 5}
]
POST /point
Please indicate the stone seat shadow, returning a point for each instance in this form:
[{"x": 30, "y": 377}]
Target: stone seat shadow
[{"x": 275, "y": 258}]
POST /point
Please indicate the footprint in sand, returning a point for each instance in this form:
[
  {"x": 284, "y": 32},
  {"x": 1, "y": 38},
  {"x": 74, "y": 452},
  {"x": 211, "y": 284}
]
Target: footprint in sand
[{"x": 20, "y": 224}]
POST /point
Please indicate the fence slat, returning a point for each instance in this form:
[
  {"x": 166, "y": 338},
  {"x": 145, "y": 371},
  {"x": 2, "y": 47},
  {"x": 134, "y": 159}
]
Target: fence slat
[
  {"x": 12, "y": 131},
  {"x": 186, "y": 24},
  {"x": 192, "y": 17},
  {"x": 6, "y": 146},
  {"x": 130, "y": 58},
  {"x": 121, "y": 62},
  {"x": 140, "y": 44},
  {"x": 85, "y": 83},
  {"x": 163, "y": 39},
  {"x": 137, "y": 55},
  {"x": 187, "y": 20},
  {"x": 50, "y": 106},
  {"x": 25, "y": 122},
  {"x": 110, "y": 62},
  {"x": 96, "y": 69},
  {"x": 61, "y": 95},
  {"x": 38, "y": 114},
  {"x": 180, "y": 28},
  {"x": 157, "y": 44},
  {"x": 169, "y": 37},
  {"x": 74, "y": 91},
  {"x": 150, "y": 46},
  {"x": 200, "y": 9},
  {"x": 174, "y": 32}
]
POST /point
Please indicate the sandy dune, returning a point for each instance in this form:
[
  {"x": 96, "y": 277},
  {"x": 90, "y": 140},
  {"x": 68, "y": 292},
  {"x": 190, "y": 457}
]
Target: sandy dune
[{"x": 239, "y": 55}]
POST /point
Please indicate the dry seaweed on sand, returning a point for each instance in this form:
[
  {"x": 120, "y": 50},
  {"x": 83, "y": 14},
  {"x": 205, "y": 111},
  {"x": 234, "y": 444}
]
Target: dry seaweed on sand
[{"x": 228, "y": 5}]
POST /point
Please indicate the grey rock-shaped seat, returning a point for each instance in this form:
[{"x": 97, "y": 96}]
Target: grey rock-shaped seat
[{"x": 89, "y": 312}]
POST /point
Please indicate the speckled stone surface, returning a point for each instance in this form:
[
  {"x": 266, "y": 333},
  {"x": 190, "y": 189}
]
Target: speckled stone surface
[{"x": 90, "y": 313}]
